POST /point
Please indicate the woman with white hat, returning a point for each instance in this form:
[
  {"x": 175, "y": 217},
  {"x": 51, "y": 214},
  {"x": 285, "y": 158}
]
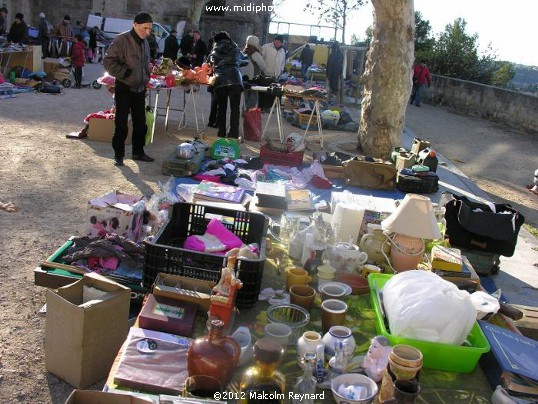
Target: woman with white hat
[{"x": 255, "y": 67}]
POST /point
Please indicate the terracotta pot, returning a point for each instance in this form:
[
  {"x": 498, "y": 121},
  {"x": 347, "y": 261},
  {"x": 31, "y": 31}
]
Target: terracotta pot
[
  {"x": 403, "y": 372},
  {"x": 406, "y": 252},
  {"x": 406, "y": 355}
]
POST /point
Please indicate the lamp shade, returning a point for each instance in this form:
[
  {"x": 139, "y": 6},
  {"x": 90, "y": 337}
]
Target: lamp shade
[{"x": 414, "y": 217}]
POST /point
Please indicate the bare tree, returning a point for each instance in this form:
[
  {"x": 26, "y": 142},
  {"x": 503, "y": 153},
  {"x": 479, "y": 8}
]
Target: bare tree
[
  {"x": 194, "y": 13},
  {"x": 334, "y": 12},
  {"x": 387, "y": 77}
]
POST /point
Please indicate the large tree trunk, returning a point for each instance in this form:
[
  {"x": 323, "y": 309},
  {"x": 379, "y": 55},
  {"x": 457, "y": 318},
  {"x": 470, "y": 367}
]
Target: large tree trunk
[
  {"x": 387, "y": 77},
  {"x": 195, "y": 12}
]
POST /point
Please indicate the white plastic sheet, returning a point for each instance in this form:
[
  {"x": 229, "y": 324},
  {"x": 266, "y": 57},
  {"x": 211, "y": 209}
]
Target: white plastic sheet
[{"x": 423, "y": 306}]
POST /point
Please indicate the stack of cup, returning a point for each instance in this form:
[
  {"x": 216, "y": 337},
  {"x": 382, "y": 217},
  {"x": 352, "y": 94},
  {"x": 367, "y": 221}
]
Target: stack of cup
[
  {"x": 401, "y": 377},
  {"x": 325, "y": 273}
]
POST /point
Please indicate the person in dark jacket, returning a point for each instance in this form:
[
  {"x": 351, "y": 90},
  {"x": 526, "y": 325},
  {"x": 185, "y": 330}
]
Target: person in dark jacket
[
  {"x": 153, "y": 46},
  {"x": 198, "y": 50},
  {"x": 3, "y": 20},
  {"x": 335, "y": 64},
  {"x": 171, "y": 47},
  {"x": 186, "y": 43},
  {"x": 127, "y": 59},
  {"x": 43, "y": 34},
  {"x": 225, "y": 59},
  {"x": 78, "y": 57},
  {"x": 306, "y": 59},
  {"x": 18, "y": 33},
  {"x": 92, "y": 45}
]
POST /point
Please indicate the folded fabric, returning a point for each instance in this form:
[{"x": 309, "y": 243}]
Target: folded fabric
[
  {"x": 216, "y": 238},
  {"x": 217, "y": 229},
  {"x": 204, "y": 243}
]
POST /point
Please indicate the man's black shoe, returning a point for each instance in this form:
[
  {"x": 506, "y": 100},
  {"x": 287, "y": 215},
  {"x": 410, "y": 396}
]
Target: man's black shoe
[
  {"x": 143, "y": 157},
  {"x": 118, "y": 161}
]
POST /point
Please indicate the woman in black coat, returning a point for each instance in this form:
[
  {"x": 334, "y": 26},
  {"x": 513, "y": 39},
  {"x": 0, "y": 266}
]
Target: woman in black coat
[{"x": 226, "y": 59}]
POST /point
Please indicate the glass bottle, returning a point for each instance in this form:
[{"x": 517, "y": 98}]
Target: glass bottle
[
  {"x": 262, "y": 382},
  {"x": 214, "y": 354},
  {"x": 338, "y": 363},
  {"x": 306, "y": 384}
]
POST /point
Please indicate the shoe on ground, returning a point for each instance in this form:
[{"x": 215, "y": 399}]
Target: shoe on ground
[
  {"x": 143, "y": 157},
  {"x": 212, "y": 125},
  {"x": 118, "y": 162}
]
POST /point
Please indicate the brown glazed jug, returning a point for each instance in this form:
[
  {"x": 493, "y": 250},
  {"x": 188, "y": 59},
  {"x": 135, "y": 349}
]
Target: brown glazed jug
[{"x": 214, "y": 355}]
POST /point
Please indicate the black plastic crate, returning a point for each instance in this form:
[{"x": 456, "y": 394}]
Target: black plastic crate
[{"x": 165, "y": 254}]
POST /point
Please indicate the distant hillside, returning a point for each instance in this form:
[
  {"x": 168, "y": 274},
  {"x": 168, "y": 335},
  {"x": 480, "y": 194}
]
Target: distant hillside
[{"x": 525, "y": 75}]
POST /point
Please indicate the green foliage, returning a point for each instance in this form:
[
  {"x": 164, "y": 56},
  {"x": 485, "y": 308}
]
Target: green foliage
[
  {"x": 455, "y": 54},
  {"x": 355, "y": 41},
  {"x": 423, "y": 39}
]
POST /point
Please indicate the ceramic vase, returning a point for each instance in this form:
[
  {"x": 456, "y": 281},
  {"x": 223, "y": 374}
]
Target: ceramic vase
[
  {"x": 344, "y": 334},
  {"x": 308, "y": 343}
]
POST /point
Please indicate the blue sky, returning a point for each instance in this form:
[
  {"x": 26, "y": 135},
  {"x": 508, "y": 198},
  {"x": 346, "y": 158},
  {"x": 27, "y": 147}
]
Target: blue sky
[{"x": 510, "y": 27}]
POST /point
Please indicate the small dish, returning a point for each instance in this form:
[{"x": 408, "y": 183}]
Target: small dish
[{"x": 341, "y": 284}]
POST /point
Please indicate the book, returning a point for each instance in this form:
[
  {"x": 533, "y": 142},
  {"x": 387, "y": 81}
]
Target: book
[
  {"x": 271, "y": 195},
  {"x": 153, "y": 361},
  {"x": 212, "y": 191},
  {"x": 519, "y": 385},
  {"x": 510, "y": 352},
  {"x": 299, "y": 199},
  {"x": 168, "y": 315},
  {"x": 446, "y": 258},
  {"x": 464, "y": 273}
]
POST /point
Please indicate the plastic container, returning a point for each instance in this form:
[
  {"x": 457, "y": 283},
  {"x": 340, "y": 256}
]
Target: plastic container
[
  {"x": 451, "y": 358},
  {"x": 166, "y": 255}
]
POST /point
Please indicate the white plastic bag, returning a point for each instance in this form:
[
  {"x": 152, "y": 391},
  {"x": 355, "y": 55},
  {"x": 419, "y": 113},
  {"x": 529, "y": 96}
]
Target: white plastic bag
[{"x": 423, "y": 306}]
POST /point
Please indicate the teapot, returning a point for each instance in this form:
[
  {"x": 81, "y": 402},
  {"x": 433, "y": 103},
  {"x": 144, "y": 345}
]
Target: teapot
[
  {"x": 346, "y": 256},
  {"x": 373, "y": 243}
]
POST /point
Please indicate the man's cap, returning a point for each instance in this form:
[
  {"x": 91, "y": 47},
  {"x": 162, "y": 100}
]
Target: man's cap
[
  {"x": 279, "y": 38},
  {"x": 19, "y": 16},
  {"x": 67, "y": 18},
  {"x": 41, "y": 15},
  {"x": 143, "y": 18}
]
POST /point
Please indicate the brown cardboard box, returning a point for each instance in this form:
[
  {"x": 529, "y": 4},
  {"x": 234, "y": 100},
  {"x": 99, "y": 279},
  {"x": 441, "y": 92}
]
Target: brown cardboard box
[
  {"x": 100, "y": 397},
  {"x": 115, "y": 212},
  {"x": 102, "y": 130},
  {"x": 87, "y": 322},
  {"x": 185, "y": 289}
]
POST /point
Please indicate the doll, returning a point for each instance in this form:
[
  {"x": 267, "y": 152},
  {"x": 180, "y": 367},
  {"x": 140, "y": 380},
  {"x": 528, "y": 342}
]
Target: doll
[{"x": 377, "y": 358}]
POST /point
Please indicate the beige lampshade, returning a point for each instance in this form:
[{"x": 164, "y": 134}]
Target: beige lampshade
[{"x": 414, "y": 217}]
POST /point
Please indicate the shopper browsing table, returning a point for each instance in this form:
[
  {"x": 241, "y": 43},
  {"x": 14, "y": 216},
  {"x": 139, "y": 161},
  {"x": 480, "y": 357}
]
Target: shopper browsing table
[{"x": 128, "y": 60}]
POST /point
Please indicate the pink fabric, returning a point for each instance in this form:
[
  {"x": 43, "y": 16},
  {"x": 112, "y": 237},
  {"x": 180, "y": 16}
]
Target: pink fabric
[
  {"x": 110, "y": 263},
  {"x": 217, "y": 229},
  {"x": 213, "y": 178},
  {"x": 194, "y": 243}
]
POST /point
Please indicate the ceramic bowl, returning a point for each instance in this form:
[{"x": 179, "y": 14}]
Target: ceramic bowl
[
  {"x": 406, "y": 355},
  {"x": 344, "y": 385},
  {"x": 403, "y": 372},
  {"x": 359, "y": 284}
]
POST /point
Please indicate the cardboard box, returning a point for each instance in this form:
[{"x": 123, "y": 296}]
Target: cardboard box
[
  {"x": 102, "y": 130},
  {"x": 100, "y": 397},
  {"x": 115, "y": 213},
  {"x": 87, "y": 323},
  {"x": 302, "y": 116},
  {"x": 167, "y": 315},
  {"x": 184, "y": 289}
]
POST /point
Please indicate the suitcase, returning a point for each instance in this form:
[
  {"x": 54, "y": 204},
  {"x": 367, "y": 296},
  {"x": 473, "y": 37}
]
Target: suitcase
[
  {"x": 418, "y": 183},
  {"x": 179, "y": 167}
]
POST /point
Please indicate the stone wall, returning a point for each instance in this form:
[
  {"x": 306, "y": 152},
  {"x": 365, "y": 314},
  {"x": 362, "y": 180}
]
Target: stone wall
[{"x": 515, "y": 109}]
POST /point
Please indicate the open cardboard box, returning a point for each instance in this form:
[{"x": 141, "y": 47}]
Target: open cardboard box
[{"x": 185, "y": 289}]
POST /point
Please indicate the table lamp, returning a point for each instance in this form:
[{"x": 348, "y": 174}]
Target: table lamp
[{"x": 411, "y": 222}]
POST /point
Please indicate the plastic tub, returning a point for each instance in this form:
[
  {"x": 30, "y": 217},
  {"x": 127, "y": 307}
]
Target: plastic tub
[{"x": 452, "y": 358}]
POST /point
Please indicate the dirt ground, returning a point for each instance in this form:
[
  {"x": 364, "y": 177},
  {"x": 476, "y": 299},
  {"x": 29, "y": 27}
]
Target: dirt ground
[{"x": 51, "y": 178}]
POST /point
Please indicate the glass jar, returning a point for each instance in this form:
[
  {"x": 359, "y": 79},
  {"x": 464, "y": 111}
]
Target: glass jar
[
  {"x": 262, "y": 382},
  {"x": 308, "y": 343},
  {"x": 214, "y": 355},
  {"x": 306, "y": 384}
]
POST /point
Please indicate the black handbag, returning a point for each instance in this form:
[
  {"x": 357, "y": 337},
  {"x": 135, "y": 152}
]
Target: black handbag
[{"x": 476, "y": 226}]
